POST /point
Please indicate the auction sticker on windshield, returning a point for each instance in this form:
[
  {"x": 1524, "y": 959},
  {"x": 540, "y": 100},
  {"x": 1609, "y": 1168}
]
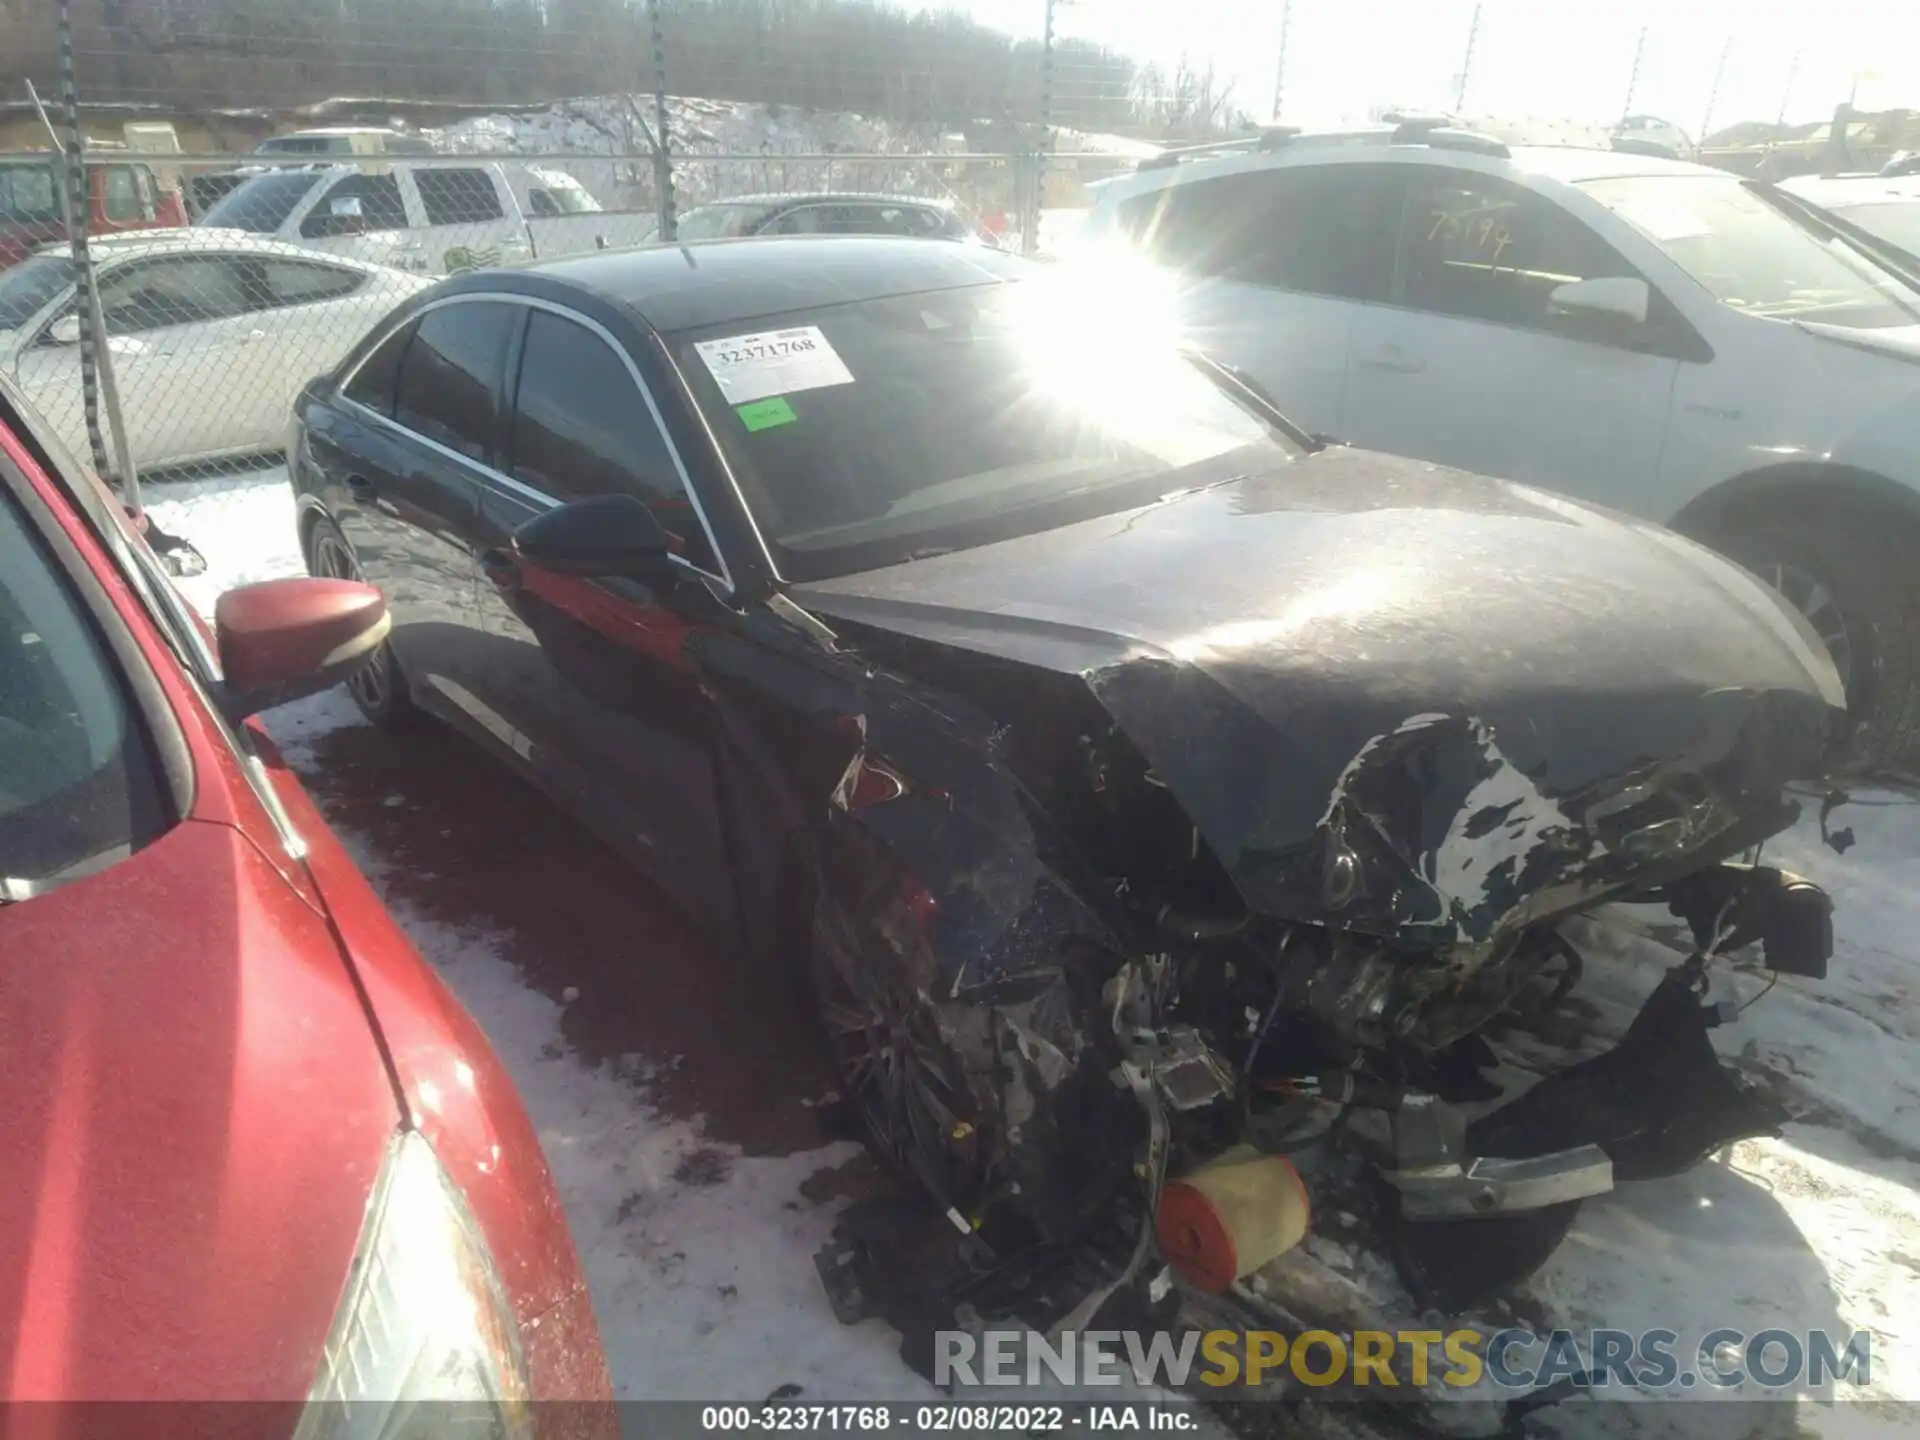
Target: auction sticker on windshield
[{"x": 773, "y": 362}]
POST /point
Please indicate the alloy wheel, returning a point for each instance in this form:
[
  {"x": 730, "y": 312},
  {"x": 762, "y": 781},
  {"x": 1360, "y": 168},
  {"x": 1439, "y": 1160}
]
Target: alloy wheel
[
  {"x": 372, "y": 683},
  {"x": 895, "y": 1067},
  {"x": 1807, "y": 594}
]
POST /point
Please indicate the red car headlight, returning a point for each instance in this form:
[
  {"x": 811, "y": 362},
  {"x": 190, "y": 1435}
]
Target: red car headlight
[{"x": 425, "y": 1334}]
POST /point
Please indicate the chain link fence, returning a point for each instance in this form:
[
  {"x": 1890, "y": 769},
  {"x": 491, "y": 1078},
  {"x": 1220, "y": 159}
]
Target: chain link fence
[{"x": 266, "y": 179}]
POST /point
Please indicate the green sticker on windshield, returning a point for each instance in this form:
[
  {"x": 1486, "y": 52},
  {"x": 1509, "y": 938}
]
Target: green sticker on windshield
[{"x": 765, "y": 414}]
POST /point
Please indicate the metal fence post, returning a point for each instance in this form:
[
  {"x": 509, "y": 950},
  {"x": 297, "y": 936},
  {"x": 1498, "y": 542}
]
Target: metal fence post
[
  {"x": 1633, "y": 76},
  {"x": 1466, "y": 63},
  {"x": 96, "y": 358},
  {"x": 662, "y": 142},
  {"x": 1713, "y": 95},
  {"x": 1037, "y": 160},
  {"x": 1280, "y": 65}
]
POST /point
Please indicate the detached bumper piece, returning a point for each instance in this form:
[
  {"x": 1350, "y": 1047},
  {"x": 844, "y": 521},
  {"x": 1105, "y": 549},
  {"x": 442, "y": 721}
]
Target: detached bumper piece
[{"x": 1482, "y": 1205}]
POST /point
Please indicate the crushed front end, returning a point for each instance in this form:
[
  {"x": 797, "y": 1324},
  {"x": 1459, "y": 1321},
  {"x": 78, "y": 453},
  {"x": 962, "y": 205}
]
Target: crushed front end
[{"x": 1260, "y": 859}]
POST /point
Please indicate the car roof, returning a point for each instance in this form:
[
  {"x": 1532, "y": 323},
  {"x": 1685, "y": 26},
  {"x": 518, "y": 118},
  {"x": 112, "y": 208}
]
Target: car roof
[
  {"x": 1567, "y": 164},
  {"x": 814, "y": 197},
  {"x": 719, "y": 282},
  {"x": 202, "y": 239},
  {"x": 1574, "y": 163},
  {"x": 327, "y": 131},
  {"x": 1837, "y": 190}
]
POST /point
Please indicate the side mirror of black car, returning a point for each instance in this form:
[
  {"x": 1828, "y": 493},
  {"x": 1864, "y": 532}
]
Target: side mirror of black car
[{"x": 603, "y": 536}]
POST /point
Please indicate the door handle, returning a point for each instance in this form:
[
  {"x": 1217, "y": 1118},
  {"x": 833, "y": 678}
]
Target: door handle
[
  {"x": 1392, "y": 360},
  {"x": 501, "y": 569}
]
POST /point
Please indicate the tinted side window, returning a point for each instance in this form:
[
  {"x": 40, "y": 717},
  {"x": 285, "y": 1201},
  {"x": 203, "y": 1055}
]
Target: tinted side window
[
  {"x": 1483, "y": 249},
  {"x": 450, "y": 376},
  {"x": 373, "y": 384},
  {"x": 295, "y": 282},
  {"x": 582, "y": 428},
  {"x": 899, "y": 220},
  {"x": 1322, "y": 231},
  {"x": 381, "y": 208},
  {"x": 457, "y": 197},
  {"x": 185, "y": 290},
  {"x": 806, "y": 220}
]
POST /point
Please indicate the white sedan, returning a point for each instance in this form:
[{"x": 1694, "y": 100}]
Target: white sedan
[{"x": 213, "y": 334}]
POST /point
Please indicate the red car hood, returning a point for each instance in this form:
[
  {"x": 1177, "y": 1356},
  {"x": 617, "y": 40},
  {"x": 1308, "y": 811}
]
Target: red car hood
[{"x": 192, "y": 1114}]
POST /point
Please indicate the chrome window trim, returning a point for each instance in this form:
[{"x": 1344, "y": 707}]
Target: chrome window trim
[
  {"x": 718, "y": 452},
  {"x": 520, "y": 487}
]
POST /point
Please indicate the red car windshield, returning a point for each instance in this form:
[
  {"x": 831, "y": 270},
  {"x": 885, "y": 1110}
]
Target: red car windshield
[
  {"x": 27, "y": 195},
  {"x": 79, "y": 787}
]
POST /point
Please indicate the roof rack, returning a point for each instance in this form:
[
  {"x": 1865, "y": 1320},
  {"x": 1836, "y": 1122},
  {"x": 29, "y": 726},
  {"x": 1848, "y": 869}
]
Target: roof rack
[
  {"x": 1271, "y": 137},
  {"x": 1440, "y": 133},
  {"x": 1435, "y": 131}
]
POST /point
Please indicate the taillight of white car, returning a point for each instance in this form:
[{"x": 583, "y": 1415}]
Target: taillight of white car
[{"x": 425, "y": 1331}]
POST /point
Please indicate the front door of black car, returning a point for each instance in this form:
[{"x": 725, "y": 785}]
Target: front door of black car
[
  {"x": 591, "y": 678},
  {"x": 411, "y": 484}
]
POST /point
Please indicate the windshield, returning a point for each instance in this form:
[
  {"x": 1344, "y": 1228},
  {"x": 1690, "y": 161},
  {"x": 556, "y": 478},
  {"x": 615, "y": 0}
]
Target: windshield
[
  {"x": 1895, "y": 221},
  {"x": 878, "y": 431},
  {"x": 27, "y": 196},
  {"x": 29, "y": 287},
  {"x": 718, "y": 222},
  {"x": 561, "y": 195},
  {"x": 1752, "y": 257},
  {"x": 263, "y": 204},
  {"x": 77, "y": 784},
  {"x": 301, "y": 145}
]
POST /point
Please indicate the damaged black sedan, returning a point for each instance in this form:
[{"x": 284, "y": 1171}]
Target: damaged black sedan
[{"x": 1133, "y": 781}]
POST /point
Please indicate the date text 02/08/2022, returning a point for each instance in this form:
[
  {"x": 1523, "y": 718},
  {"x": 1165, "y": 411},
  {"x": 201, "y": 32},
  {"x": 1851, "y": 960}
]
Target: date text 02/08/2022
[{"x": 950, "y": 1417}]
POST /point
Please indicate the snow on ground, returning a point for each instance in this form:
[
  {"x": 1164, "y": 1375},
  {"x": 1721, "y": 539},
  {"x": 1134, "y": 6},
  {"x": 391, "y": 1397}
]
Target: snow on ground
[
  {"x": 703, "y": 1291},
  {"x": 702, "y": 1271},
  {"x": 242, "y": 524}
]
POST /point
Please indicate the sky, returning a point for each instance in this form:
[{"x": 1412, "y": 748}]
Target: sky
[{"x": 1532, "y": 58}]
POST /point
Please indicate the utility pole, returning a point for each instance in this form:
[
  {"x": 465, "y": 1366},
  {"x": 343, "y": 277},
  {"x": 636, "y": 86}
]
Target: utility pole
[
  {"x": 1633, "y": 76},
  {"x": 1466, "y": 62},
  {"x": 1037, "y": 166},
  {"x": 1280, "y": 67},
  {"x": 1713, "y": 95},
  {"x": 662, "y": 142},
  {"x": 1786, "y": 95}
]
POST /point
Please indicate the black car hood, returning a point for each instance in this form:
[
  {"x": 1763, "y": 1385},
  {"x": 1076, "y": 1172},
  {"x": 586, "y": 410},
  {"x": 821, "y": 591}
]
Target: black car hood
[{"x": 1399, "y": 698}]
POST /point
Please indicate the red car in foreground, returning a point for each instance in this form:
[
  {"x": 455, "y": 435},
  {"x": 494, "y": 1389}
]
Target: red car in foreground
[{"x": 252, "y": 1148}]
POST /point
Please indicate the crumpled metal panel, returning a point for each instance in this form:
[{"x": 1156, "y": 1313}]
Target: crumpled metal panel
[{"x": 1395, "y": 698}]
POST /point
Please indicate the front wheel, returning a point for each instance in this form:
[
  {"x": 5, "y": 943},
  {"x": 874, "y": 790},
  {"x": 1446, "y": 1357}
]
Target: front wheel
[
  {"x": 894, "y": 1063},
  {"x": 1854, "y": 580},
  {"x": 377, "y": 687}
]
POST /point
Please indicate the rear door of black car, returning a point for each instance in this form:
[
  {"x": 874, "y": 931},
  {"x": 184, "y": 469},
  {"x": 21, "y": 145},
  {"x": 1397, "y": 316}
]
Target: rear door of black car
[
  {"x": 593, "y": 675},
  {"x": 418, "y": 423}
]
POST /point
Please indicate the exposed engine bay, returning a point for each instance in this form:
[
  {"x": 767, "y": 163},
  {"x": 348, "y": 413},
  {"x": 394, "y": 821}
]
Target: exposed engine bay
[
  {"x": 1248, "y": 822},
  {"x": 1197, "y": 1032}
]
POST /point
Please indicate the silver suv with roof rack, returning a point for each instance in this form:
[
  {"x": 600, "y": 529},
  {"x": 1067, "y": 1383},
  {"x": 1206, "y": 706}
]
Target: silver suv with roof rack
[{"x": 1661, "y": 337}]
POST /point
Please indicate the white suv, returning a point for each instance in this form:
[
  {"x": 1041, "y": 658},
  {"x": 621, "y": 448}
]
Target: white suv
[{"x": 1647, "y": 334}]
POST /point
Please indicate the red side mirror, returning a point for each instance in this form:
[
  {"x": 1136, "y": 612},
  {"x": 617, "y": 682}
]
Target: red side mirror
[{"x": 282, "y": 639}]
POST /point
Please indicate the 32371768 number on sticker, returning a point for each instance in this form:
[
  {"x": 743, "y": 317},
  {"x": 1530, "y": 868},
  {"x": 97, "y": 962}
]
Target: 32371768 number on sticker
[{"x": 772, "y": 362}]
